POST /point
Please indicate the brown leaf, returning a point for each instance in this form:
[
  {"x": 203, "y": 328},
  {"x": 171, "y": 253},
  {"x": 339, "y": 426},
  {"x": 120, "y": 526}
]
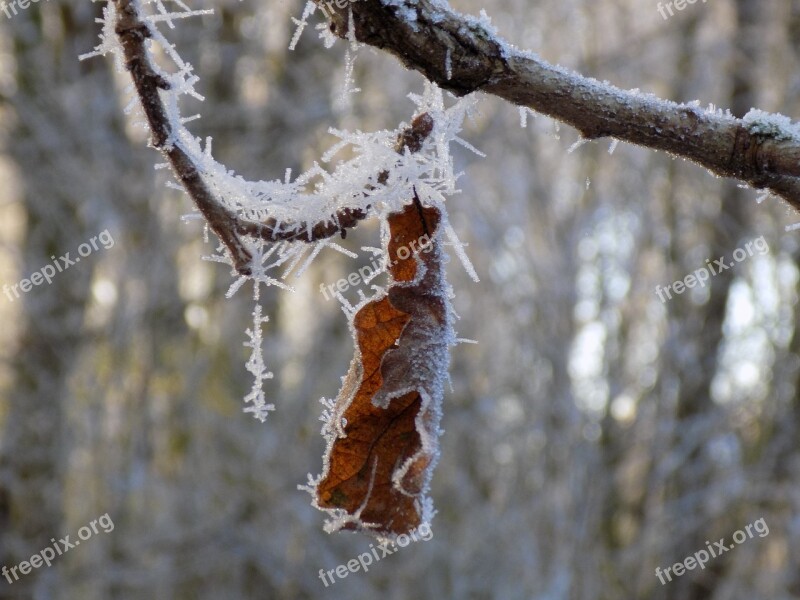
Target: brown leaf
[{"x": 378, "y": 464}]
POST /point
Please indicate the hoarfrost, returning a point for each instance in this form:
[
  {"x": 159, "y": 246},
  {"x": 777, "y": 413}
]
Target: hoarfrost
[{"x": 375, "y": 180}]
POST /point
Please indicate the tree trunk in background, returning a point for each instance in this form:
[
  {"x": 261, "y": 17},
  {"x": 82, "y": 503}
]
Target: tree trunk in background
[
  {"x": 61, "y": 144},
  {"x": 696, "y": 339}
]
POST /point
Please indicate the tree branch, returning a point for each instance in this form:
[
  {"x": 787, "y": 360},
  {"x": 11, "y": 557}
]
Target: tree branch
[
  {"x": 133, "y": 31},
  {"x": 462, "y": 55}
]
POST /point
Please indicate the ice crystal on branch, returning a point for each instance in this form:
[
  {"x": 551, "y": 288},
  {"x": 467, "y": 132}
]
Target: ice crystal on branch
[{"x": 255, "y": 365}]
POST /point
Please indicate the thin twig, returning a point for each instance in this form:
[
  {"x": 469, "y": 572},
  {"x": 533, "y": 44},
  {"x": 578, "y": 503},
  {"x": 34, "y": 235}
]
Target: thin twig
[
  {"x": 133, "y": 31},
  {"x": 462, "y": 55}
]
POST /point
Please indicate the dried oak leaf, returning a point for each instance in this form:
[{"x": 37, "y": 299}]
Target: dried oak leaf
[{"x": 384, "y": 428}]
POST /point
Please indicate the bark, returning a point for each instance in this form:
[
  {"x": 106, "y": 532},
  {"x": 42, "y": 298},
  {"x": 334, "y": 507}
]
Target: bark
[{"x": 462, "y": 55}]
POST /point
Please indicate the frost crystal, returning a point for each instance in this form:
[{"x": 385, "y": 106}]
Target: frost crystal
[
  {"x": 255, "y": 365},
  {"x": 301, "y": 24}
]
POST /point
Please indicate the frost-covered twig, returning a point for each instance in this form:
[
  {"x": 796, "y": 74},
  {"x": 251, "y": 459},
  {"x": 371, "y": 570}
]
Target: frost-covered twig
[
  {"x": 465, "y": 54},
  {"x": 265, "y": 225},
  {"x": 133, "y": 31}
]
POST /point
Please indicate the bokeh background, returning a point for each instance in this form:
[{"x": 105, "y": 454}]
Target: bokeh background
[{"x": 593, "y": 434}]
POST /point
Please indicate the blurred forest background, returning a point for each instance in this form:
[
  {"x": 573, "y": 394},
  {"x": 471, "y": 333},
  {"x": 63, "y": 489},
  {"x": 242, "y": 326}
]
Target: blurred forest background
[{"x": 593, "y": 434}]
